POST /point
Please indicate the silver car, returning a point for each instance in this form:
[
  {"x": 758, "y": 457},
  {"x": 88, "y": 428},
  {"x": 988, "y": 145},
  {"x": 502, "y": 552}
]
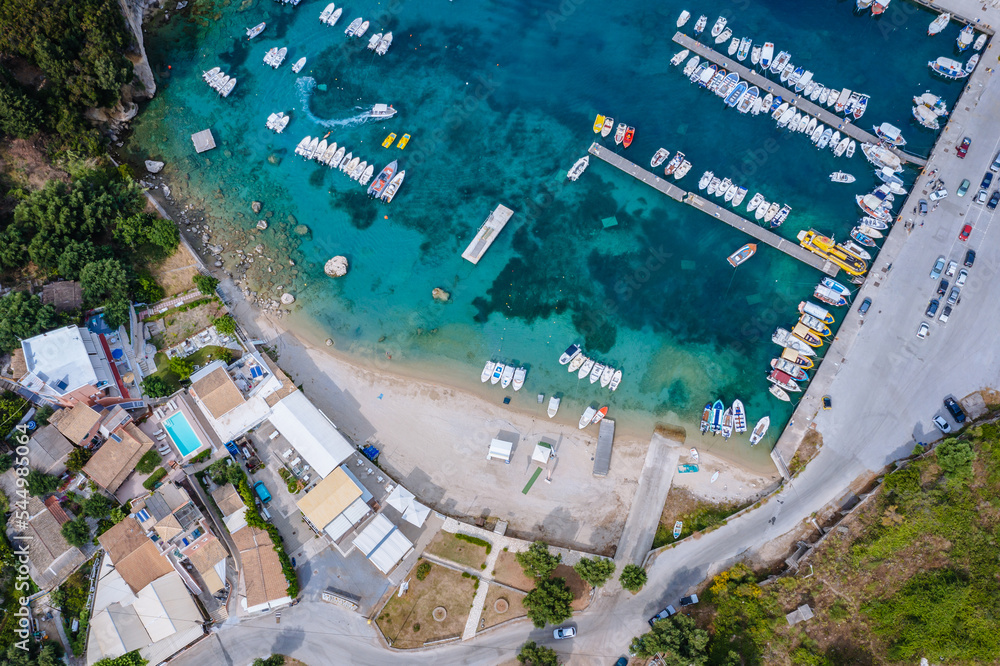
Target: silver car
[
  {"x": 963, "y": 275},
  {"x": 953, "y": 296},
  {"x": 938, "y": 267}
]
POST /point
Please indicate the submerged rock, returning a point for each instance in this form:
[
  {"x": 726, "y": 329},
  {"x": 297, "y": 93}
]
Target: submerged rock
[
  {"x": 152, "y": 166},
  {"x": 261, "y": 224},
  {"x": 287, "y": 299},
  {"x": 302, "y": 230},
  {"x": 440, "y": 294},
  {"x": 256, "y": 206},
  {"x": 336, "y": 267}
]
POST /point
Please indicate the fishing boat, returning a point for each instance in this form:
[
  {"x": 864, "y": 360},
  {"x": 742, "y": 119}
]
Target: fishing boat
[
  {"x": 948, "y": 68},
  {"x": 699, "y": 26},
  {"x": 841, "y": 177},
  {"x": 815, "y": 325},
  {"x": 744, "y": 50},
  {"x": 706, "y": 416},
  {"x": 578, "y": 167},
  {"x": 506, "y": 376},
  {"x": 889, "y": 133},
  {"x": 859, "y": 236},
  {"x": 609, "y": 124},
  {"x": 717, "y": 410},
  {"x": 795, "y": 371},
  {"x": 783, "y": 337},
  {"x": 734, "y": 45},
  {"x": 755, "y": 54},
  {"x": 587, "y": 417},
  {"x": 746, "y": 102},
  {"x": 553, "y": 406},
  {"x": 717, "y": 79},
  {"x": 595, "y": 373},
  {"x": 571, "y": 352},
  {"x": 585, "y": 369},
  {"x": 767, "y": 55},
  {"x": 678, "y": 526},
  {"x": 606, "y": 376},
  {"x": 855, "y": 249},
  {"x": 601, "y": 413},
  {"x": 797, "y": 358},
  {"x": 299, "y": 64},
  {"x": 964, "y": 40},
  {"x": 782, "y": 215},
  {"x": 755, "y": 201},
  {"x": 786, "y": 73},
  {"x": 683, "y": 18},
  {"x": 674, "y": 162},
  {"x": 682, "y": 170},
  {"x": 728, "y": 84},
  {"x": 734, "y": 97},
  {"x": 629, "y": 135},
  {"x": 739, "y": 417},
  {"x": 487, "y": 371},
  {"x": 881, "y": 156},
  {"x": 971, "y": 65},
  {"x": 742, "y": 254},
  {"x": 519, "y": 376},
  {"x": 779, "y": 393},
  {"x": 497, "y": 373},
  {"x": 719, "y": 26},
  {"x": 938, "y": 24},
  {"x": 383, "y": 178},
  {"x": 760, "y": 429},
  {"x": 724, "y": 37},
  {"x": 926, "y": 117},
  {"x": 616, "y": 380},
  {"x": 783, "y": 380},
  {"x": 392, "y": 188},
  {"x": 727, "y": 423},
  {"x": 659, "y": 157},
  {"x": 679, "y": 57},
  {"x": 620, "y": 133},
  {"x": 353, "y": 27},
  {"x": 256, "y": 30},
  {"x": 741, "y": 194},
  {"x": 707, "y": 75},
  {"x": 821, "y": 313},
  {"x": 879, "y": 7},
  {"x": 578, "y": 360},
  {"x": 705, "y": 179},
  {"x": 598, "y": 123}
]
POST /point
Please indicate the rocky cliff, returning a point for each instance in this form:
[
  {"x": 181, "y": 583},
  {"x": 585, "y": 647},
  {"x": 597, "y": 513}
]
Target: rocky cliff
[{"x": 144, "y": 85}]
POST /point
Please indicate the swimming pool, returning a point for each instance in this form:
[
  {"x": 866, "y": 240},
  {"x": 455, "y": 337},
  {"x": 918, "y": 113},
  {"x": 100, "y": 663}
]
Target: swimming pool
[{"x": 182, "y": 434}]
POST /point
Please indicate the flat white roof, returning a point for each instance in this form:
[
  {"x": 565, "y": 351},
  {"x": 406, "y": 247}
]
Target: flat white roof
[
  {"x": 374, "y": 534},
  {"x": 312, "y": 434},
  {"x": 61, "y": 358},
  {"x": 391, "y": 551}
]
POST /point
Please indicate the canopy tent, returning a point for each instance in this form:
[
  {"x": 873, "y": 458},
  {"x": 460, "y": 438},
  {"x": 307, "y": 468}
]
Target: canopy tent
[
  {"x": 416, "y": 514},
  {"x": 501, "y": 450},
  {"x": 374, "y": 534},
  {"x": 400, "y": 499},
  {"x": 390, "y": 551},
  {"x": 540, "y": 456}
]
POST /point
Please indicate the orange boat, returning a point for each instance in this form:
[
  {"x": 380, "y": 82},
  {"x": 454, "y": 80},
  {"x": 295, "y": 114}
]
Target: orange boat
[
  {"x": 742, "y": 254},
  {"x": 629, "y": 133},
  {"x": 601, "y": 413}
]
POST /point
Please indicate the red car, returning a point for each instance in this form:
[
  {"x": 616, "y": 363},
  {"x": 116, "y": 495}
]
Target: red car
[
  {"x": 966, "y": 230},
  {"x": 963, "y": 149}
]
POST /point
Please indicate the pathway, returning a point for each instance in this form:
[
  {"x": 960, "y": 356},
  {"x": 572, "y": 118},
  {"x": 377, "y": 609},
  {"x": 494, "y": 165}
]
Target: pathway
[{"x": 647, "y": 505}]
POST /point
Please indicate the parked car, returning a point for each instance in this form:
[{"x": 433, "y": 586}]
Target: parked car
[
  {"x": 963, "y": 275},
  {"x": 963, "y": 148},
  {"x": 987, "y": 180},
  {"x": 942, "y": 424},
  {"x": 945, "y": 314},
  {"x": 662, "y": 615},
  {"x": 955, "y": 409},
  {"x": 865, "y": 306},
  {"x": 939, "y": 194},
  {"x": 923, "y": 330},
  {"x": 996, "y": 163},
  {"x": 953, "y": 296},
  {"x": 952, "y": 265},
  {"x": 923, "y": 206},
  {"x": 981, "y": 196},
  {"x": 994, "y": 200},
  {"x": 938, "y": 267},
  {"x": 564, "y": 632},
  {"x": 942, "y": 288},
  {"x": 262, "y": 492},
  {"x": 963, "y": 235},
  {"x": 689, "y": 600},
  {"x": 932, "y": 308},
  {"x": 622, "y": 661},
  {"x": 963, "y": 188},
  {"x": 970, "y": 258}
]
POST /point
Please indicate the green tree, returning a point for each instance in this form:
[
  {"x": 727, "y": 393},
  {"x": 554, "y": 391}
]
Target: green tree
[
  {"x": 549, "y": 602},
  {"x": 75, "y": 255},
  {"x": 98, "y": 506},
  {"x": 225, "y": 325},
  {"x": 678, "y": 639},
  {"x": 43, "y": 414},
  {"x": 104, "y": 280},
  {"x": 49, "y": 655},
  {"x": 40, "y": 483},
  {"x": 595, "y": 570},
  {"x": 157, "y": 236},
  {"x": 23, "y": 316},
  {"x": 632, "y": 577},
  {"x": 155, "y": 386},
  {"x": 955, "y": 457},
  {"x": 181, "y": 367},
  {"x": 273, "y": 660},
  {"x": 532, "y": 654},
  {"x": 147, "y": 290},
  {"x": 76, "y": 532},
  {"x": 164, "y": 236},
  {"x": 206, "y": 283},
  {"x": 116, "y": 312},
  {"x": 77, "y": 459},
  {"x": 129, "y": 659},
  {"x": 6, "y": 462},
  {"x": 537, "y": 561},
  {"x": 148, "y": 462},
  {"x": 423, "y": 569},
  {"x": 20, "y": 117}
]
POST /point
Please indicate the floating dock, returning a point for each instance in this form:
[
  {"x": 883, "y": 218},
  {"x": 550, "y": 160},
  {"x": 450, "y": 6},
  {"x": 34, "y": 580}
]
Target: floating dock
[
  {"x": 801, "y": 103},
  {"x": 722, "y": 214},
  {"x": 605, "y": 441},
  {"x": 487, "y": 233}
]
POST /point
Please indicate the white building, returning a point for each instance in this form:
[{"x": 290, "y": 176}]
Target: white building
[{"x": 68, "y": 365}]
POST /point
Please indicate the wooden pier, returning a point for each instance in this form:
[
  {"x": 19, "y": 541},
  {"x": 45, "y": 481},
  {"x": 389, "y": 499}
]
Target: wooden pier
[
  {"x": 801, "y": 103},
  {"x": 722, "y": 214}
]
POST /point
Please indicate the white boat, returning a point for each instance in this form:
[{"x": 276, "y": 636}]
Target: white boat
[
  {"x": 351, "y": 166},
  {"x": 659, "y": 157},
  {"x": 786, "y": 73},
  {"x": 683, "y": 18},
  {"x": 519, "y": 374},
  {"x": 948, "y": 68},
  {"x": 755, "y": 108},
  {"x": 803, "y": 83},
  {"x": 596, "y": 371},
  {"x": 318, "y": 152},
  {"x": 256, "y": 30},
  {"x": 553, "y": 406},
  {"x": 980, "y": 42},
  {"x": 834, "y": 141},
  {"x": 303, "y": 144},
  {"x": 588, "y": 416},
  {"x": 497, "y": 373},
  {"x": 699, "y": 26},
  {"x": 508, "y": 374},
  {"x": 755, "y": 54},
  {"x": 780, "y": 111},
  {"x": 810, "y": 127},
  {"x": 299, "y": 64},
  {"x": 850, "y": 149},
  {"x": 856, "y": 250},
  {"x": 842, "y": 146},
  {"x": 762, "y": 209},
  {"x": 344, "y": 162},
  {"x": 374, "y": 40},
  {"x": 360, "y": 169},
  {"x": 327, "y": 154},
  {"x": 739, "y": 417},
  {"x": 269, "y": 56},
  {"x": 338, "y": 157},
  {"x": 353, "y": 27},
  {"x": 939, "y": 24},
  {"x": 720, "y": 24},
  {"x": 576, "y": 363},
  {"x": 280, "y": 57},
  {"x": 393, "y": 187},
  {"x": 679, "y": 57},
  {"x": 832, "y": 97},
  {"x": 724, "y": 37},
  {"x": 688, "y": 68},
  {"x": 964, "y": 40},
  {"x": 779, "y": 63},
  {"x": 772, "y": 211},
  {"x": 571, "y": 352},
  {"x": 824, "y": 138},
  {"x": 881, "y": 156},
  {"x": 705, "y": 179},
  {"x": 382, "y": 111},
  {"x": 616, "y": 379},
  {"x": 384, "y": 44},
  {"x": 487, "y": 371},
  {"x": 932, "y": 102},
  {"x": 682, "y": 170},
  {"x": 748, "y": 99},
  {"x": 228, "y": 88},
  {"x": 723, "y": 187},
  {"x": 734, "y": 45},
  {"x": 842, "y": 100},
  {"x": 325, "y": 14},
  {"x": 585, "y": 369},
  {"x": 755, "y": 201},
  {"x": 362, "y": 29},
  {"x": 760, "y": 429},
  {"x": 741, "y": 194},
  {"x": 334, "y": 17},
  {"x": 744, "y": 49},
  {"x": 731, "y": 192},
  {"x": 890, "y": 134},
  {"x": 766, "y": 55},
  {"x": 606, "y": 376},
  {"x": 210, "y": 74},
  {"x": 578, "y": 167},
  {"x": 817, "y": 133},
  {"x": 714, "y": 185},
  {"x": 367, "y": 175},
  {"x": 824, "y": 95},
  {"x": 841, "y": 177}
]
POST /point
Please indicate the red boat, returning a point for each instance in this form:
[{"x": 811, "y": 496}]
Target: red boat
[
  {"x": 629, "y": 133},
  {"x": 375, "y": 189},
  {"x": 601, "y": 413}
]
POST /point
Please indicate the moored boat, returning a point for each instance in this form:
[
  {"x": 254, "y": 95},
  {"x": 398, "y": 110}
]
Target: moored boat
[
  {"x": 719, "y": 26},
  {"x": 595, "y": 373},
  {"x": 717, "y": 411},
  {"x": 256, "y": 30},
  {"x": 616, "y": 380},
  {"x": 659, "y": 157},
  {"x": 609, "y": 124},
  {"x": 742, "y": 254},
  {"x": 766, "y": 55},
  {"x": 606, "y": 376},
  {"x": 620, "y": 133},
  {"x": 797, "y": 372},
  {"x": 487, "y": 371},
  {"x": 841, "y": 177},
  {"x": 497, "y": 373},
  {"x": 706, "y": 416},
  {"x": 507, "y": 375},
  {"x": 890, "y": 134},
  {"x": 553, "y": 406},
  {"x": 382, "y": 180},
  {"x": 739, "y": 417},
  {"x": 699, "y": 26},
  {"x": 964, "y": 40},
  {"x": 578, "y": 167},
  {"x": 519, "y": 376},
  {"x": 392, "y": 188},
  {"x": 587, "y": 417},
  {"x": 629, "y": 135},
  {"x": 779, "y": 393},
  {"x": 683, "y": 18},
  {"x": 571, "y": 352},
  {"x": 948, "y": 68},
  {"x": 588, "y": 365},
  {"x": 783, "y": 380},
  {"x": 760, "y": 429},
  {"x": 679, "y": 57},
  {"x": 938, "y": 24},
  {"x": 574, "y": 365}
]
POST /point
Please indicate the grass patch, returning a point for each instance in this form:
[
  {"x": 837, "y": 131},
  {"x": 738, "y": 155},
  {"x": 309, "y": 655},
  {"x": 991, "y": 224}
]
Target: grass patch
[
  {"x": 475, "y": 541},
  {"x": 442, "y": 587},
  {"x": 71, "y": 598},
  {"x": 509, "y": 572},
  {"x": 451, "y": 547},
  {"x": 200, "y": 358},
  {"x": 703, "y": 516}
]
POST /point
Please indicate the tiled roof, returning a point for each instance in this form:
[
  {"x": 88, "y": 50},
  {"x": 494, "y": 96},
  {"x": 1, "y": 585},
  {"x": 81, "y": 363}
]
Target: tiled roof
[
  {"x": 76, "y": 422},
  {"x": 218, "y": 392}
]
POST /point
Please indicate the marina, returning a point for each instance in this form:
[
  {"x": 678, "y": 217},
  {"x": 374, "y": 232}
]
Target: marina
[
  {"x": 718, "y": 212},
  {"x": 487, "y": 233},
  {"x": 800, "y": 102}
]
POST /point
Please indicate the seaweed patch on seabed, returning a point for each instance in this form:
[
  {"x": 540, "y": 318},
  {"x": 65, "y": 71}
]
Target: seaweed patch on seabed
[{"x": 361, "y": 209}]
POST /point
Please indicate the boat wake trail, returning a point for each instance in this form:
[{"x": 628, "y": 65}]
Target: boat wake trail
[{"x": 306, "y": 85}]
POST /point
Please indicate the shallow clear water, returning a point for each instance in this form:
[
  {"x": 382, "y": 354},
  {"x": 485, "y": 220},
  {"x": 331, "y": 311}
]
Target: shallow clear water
[{"x": 499, "y": 98}]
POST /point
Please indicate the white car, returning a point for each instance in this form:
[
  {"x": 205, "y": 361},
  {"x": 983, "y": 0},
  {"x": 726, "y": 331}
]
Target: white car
[
  {"x": 937, "y": 195},
  {"x": 923, "y": 330},
  {"x": 942, "y": 424},
  {"x": 564, "y": 632},
  {"x": 952, "y": 265},
  {"x": 963, "y": 275}
]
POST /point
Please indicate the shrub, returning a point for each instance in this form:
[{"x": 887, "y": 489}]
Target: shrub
[
  {"x": 206, "y": 283},
  {"x": 549, "y": 602},
  {"x": 155, "y": 386},
  {"x": 955, "y": 457},
  {"x": 6, "y": 462},
  {"x": 632, "y": 577},
  {"x": 148, "y": 462},
  {"x": 201, "y": 457},
  {"x": 595, "y": 570},
  {"x": 76, "y": 532},
  {"x": 475, "y": 541},
  {"x": 416, "y": 627},
  {"x": 77, "y": 459},
  {"x": 423, "y": 569},
  {"x": 98, "y": 506},
  {"x": 40, "y": 483},
  {"x": 154, "y": 478},
  {"x": 181, "y": 367},
  {"x": 225, "y": 325},
  {"x": 537, "y": 561},
  {"x": 532, "y": 654},
  {"x": 43, "y": 414}
]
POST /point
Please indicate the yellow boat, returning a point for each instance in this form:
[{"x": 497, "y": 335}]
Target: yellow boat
[
  {"x": 402, "y": 142},
  {"x": 388, "y": 140},
  {"x": 797, "y": 358},
  {"x": 598, "y": 124},
  {"x": 824, "y": 246}
]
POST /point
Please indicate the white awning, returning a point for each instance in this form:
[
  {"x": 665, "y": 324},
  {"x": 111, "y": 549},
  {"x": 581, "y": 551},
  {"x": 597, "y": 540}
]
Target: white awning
[
  {"x": 416, "y": 513},
  {"x": 374, "y": 534},
  {"x": 400, "y": 499},
  {"x": 313, "y": 435},
  {"x": 350, "y": 517},
  {"x": 500, "y": 449},
  {"x": 391, "y": 551},
  {"x": 541, "y": 454}
]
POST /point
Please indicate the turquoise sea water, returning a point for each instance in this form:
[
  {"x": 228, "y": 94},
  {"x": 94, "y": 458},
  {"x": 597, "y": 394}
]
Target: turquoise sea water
[{"x": 499, "y": 98}]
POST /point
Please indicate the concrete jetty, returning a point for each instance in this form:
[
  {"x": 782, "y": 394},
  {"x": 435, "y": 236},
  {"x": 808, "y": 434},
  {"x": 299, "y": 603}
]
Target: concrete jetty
[
  {"x": 706, "y": 206},
  {"x": 801, "y": 103},
  {"x": 487, "y": 233}
]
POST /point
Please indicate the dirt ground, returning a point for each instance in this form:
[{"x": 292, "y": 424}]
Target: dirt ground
[
  {"x": 25, "y": 163},
  {"x": 406, "y": 621},
  {"x": 177, "y": 326},
  {"x": 509, "y": 572},
  {"x": 580, "y": 589},
  {"x": 516, "y": 607},
  {"x": 812, "y": 442},
  {"x": 449, "y": 547},
  {"x": 175, "y": 272}
]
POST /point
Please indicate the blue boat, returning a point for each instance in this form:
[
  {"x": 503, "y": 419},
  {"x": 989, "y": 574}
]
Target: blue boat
[
  {"x": 775, "y": 104},
  {"x": 717, "y": 409},
  {"x": 686, "y": 469},
  {"x": 734, "y": 96}
]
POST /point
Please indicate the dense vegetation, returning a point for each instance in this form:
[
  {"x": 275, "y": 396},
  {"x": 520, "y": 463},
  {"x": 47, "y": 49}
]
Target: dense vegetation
[{"x": 79, "y": 47}]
